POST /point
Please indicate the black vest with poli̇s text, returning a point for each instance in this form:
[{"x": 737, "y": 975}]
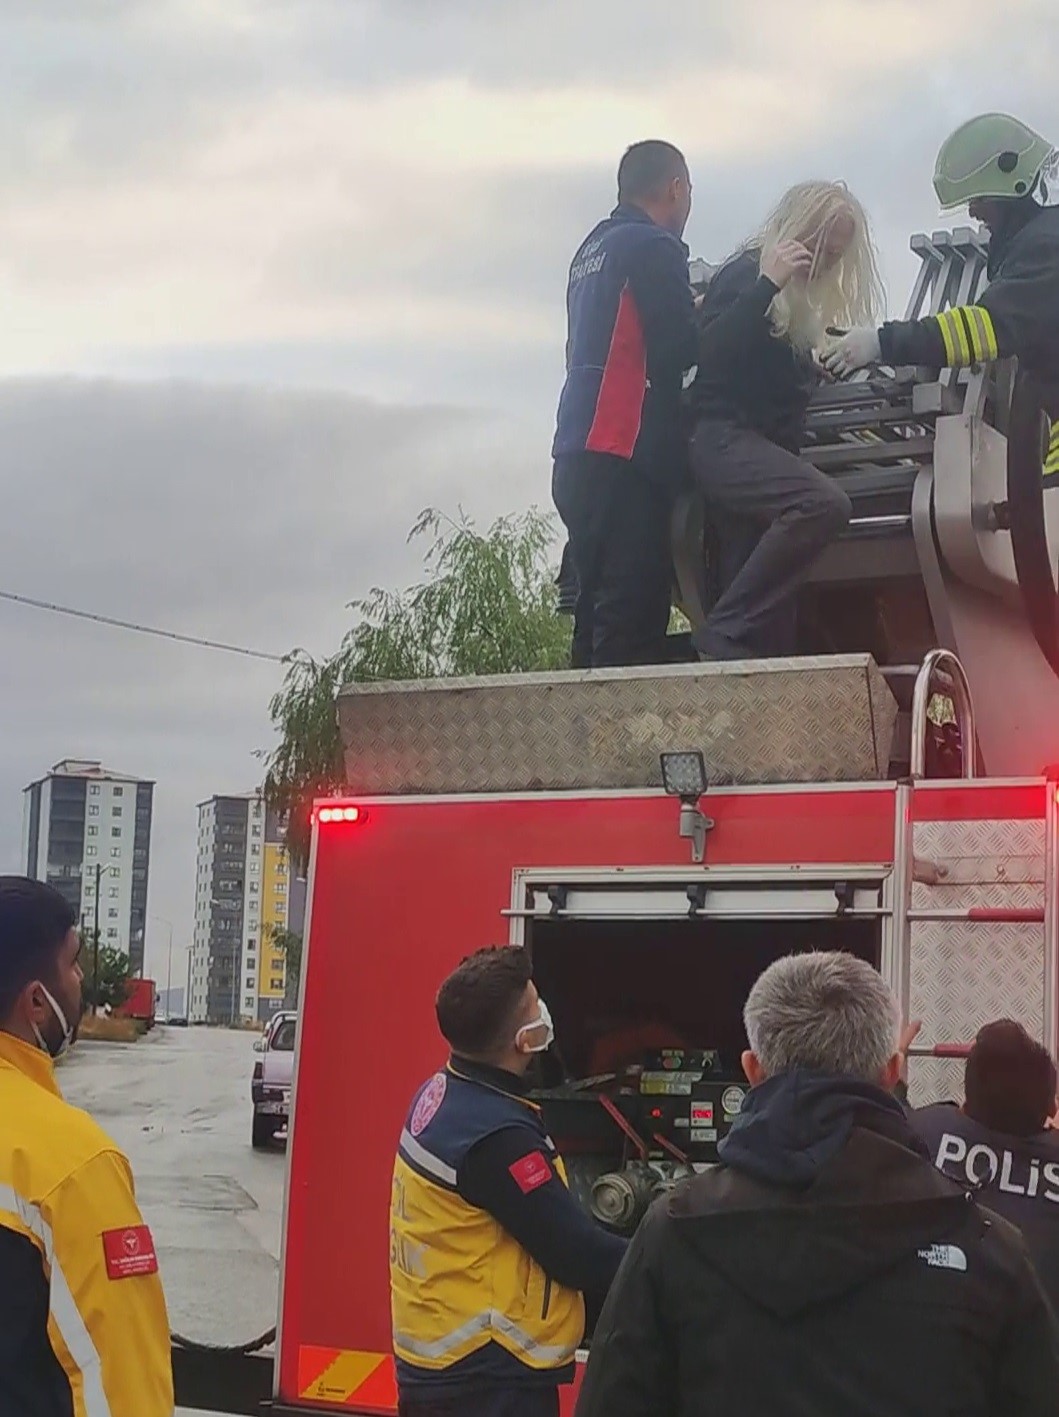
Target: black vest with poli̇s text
[{"x": 1017, "y": 1177}]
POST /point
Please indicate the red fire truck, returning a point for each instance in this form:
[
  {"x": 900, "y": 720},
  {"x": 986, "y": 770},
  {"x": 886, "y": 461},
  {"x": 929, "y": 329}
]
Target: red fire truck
[{"x": 656, "y": 836}]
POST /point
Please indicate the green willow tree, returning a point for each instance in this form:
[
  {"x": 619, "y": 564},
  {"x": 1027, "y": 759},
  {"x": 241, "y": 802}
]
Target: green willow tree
[{"x": 487, "y": 605}]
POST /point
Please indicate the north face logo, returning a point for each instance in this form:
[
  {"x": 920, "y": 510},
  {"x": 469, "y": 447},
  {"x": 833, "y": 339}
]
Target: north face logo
[{"x": 944, "y": 1257}]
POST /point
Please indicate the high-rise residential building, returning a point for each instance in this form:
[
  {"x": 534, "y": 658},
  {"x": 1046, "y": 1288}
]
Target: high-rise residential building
[
  {"x": 84, "y": 827},
  {"x": 245, "y": 894}
]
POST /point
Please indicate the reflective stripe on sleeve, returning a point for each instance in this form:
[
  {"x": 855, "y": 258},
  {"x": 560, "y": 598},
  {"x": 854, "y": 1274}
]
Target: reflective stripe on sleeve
[{"x": 63, "y": 1308}]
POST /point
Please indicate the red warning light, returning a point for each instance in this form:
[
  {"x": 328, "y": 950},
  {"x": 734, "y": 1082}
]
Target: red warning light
[
  {"x": 340, "y": 814},
  {"x": 656, "y": 1112}
]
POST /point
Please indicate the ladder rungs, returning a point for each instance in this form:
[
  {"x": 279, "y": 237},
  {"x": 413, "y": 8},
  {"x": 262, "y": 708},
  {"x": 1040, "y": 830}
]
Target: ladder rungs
[
  {"x": 984, "y": 915},
  {"x": 941, "y": 1050}
]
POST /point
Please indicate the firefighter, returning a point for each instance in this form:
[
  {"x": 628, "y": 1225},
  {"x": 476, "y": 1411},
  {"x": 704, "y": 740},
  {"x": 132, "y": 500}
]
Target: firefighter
[
  {"x": 491, "y": 1258},
  {"x": 1001, "y": 1142},
  {"x": 824, "y": 1266},
  {"x": 83, "y": 1325},
  {"x": 765, "y": 313},
  {"x": 620, "y": 450},
  {"x": 997, "y": 167}
]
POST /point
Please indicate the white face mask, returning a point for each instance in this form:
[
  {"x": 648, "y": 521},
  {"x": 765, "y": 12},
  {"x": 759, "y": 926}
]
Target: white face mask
[
  {"x": 68, "y": 1032},
  {"x": 543, "y": 1020}
]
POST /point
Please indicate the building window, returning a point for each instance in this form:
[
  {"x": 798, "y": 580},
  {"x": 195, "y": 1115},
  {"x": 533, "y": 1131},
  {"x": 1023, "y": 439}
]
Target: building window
[
  {"x": 255, "y": 831},
  {"x": 119, "y": 792},
  {"x": 115, "y": 811},
  {"x": 93, "y": 831},
  {"x": 115, "y": 851},
  {"x": 249, "y": 1004},
  {"x": 114, "y": 890},
  {"x": 254, "y": 867},
  {"x": 249, "y": 981},
  {"x": 94, "y": 789},
  {"x": 90, "y": 850},
  {"x": 275, "y": 983},
  {"x": 112, "y": 914},
  {"x": 251, "y": 946},
  {"x": 112, "y": 934},
  {"x": 115, "y": 831},
  {"x": 93, "y": 811}
]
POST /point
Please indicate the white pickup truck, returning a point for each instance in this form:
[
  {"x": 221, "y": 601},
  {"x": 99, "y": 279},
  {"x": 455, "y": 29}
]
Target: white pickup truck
[{"x": 271, "y": 1083}]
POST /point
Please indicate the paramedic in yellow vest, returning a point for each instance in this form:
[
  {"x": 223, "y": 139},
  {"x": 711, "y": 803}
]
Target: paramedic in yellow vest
[
  {"x": 491, "y": 1257},
  {"x": 83, "y": 1326}
]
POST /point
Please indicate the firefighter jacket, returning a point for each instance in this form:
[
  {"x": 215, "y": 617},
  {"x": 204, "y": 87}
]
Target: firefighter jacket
[
  {"x": 1018, "y": 1177},
  {"x": 489, "y": 1251},
  {"x": 631, "y": 336},
  {"x": 1016, "y": 314},
  {"x": 83, "y": 1324}
]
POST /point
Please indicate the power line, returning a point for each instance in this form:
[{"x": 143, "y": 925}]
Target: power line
[{"x": 138, "y": 629}]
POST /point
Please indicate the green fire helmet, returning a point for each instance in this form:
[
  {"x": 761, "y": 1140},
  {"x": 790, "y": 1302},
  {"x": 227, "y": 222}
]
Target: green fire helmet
[{"x": 989, "y": 156}]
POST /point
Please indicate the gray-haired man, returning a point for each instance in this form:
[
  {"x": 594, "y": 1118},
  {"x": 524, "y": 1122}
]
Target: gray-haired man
[{"x": 824, "y": 1266}]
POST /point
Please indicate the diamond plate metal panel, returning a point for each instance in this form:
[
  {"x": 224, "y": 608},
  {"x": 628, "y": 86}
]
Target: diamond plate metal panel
[
  {"x": 798, "y": 720},
  {"x": 963, "y": 975}
]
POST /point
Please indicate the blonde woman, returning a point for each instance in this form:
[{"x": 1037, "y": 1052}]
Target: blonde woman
[{"x": 766, "y": 313}]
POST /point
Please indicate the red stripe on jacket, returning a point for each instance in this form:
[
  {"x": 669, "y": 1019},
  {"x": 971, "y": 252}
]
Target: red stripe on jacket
[{"x": 619, "y": 407}]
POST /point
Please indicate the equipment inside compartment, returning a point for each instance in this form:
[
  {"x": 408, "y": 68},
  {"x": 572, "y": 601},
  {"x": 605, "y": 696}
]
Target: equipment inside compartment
[
  {"x": 645, "y": 1079},
  {"x": 627, "y": 1136}
]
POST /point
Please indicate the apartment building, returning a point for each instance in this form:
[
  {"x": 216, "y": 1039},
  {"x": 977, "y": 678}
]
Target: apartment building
[
  {"x": 85, "y": 826},
  {"x": 245, "y": 892}
]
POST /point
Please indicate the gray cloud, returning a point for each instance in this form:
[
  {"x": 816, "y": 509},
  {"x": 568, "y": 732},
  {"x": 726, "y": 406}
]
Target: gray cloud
[{"x": 251, "y": 516}]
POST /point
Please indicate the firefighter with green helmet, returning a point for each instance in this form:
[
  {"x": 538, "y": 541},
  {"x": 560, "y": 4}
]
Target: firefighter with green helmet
[{"x": 996, "y": 166}]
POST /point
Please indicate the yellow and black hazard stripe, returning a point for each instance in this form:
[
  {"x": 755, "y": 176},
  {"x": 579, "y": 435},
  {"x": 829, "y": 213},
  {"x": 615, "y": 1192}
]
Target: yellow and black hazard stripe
[
  {"x": 1051, "y": 457},
  {"x": 968, "y": 335}
]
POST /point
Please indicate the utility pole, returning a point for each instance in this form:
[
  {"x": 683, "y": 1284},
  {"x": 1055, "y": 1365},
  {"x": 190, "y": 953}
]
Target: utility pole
[{"x": 95, "y": 945}]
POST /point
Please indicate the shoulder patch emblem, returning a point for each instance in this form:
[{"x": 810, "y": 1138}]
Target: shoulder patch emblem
[
  {"x": 531, "y": 1172},
  {"x": 129, "y": 1252},
  {"x": 430, "y": 1099}
]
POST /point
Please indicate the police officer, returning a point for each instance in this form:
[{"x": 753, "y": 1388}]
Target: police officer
[
  {"x": 620, "y": 445},
  {"x": 1000, "y": 1142},
  {"x": 83, "y": 1325},
  {"x": 996, "y": 166},
  {"x": 491, "y": 1258}
]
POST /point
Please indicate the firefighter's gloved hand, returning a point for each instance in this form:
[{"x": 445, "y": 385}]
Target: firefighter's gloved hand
[{"x": 853, "y": 351}]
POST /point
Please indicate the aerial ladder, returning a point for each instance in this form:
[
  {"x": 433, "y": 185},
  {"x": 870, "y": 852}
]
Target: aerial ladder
[{"x": 948, "y": 562}]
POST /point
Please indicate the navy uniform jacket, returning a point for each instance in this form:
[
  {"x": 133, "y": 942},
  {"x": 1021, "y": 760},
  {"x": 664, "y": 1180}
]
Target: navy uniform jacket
[{"x": 630, "y": 337}]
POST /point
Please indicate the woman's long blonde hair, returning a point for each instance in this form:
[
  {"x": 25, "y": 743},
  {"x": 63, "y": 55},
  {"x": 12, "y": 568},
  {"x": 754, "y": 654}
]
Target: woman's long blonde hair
[{"x": 846, "y": 294}]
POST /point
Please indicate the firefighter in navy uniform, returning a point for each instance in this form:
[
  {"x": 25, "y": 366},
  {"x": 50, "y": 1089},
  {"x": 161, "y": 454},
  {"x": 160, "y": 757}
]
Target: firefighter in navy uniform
[
  {"x": 83, "y": 1325},
  {"x": 996, "y": 166},
  {"x": 620, "y": 446},
  {"x": 1000, "y": 1141},
  {"x": 491, "y": 1257}
]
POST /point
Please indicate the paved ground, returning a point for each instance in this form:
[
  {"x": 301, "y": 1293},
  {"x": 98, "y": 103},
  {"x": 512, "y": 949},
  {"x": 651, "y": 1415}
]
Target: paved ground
[{"x": 178, "y": 1103}]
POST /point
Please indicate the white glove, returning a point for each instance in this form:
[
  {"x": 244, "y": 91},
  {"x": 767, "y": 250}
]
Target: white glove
[{"x": 853, "y": 351}]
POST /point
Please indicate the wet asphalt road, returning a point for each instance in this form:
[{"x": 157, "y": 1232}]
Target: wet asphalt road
[{"x": 178, "y": 1104}]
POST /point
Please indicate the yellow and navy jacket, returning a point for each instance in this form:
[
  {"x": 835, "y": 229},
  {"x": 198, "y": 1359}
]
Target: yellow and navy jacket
[
  {"x": 1016, "y": 314},
  {"x": 83, "y": 1324},
  {"x": 490, "y": 1254}
]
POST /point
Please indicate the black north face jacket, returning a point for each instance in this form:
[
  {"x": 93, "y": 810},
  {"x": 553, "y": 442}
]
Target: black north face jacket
[{"x": 824, "y": 1269}]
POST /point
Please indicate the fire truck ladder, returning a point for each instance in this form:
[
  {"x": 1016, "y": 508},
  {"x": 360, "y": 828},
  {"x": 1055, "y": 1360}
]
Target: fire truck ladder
[
  {"x": 975, "y": 930},
  {"x": 952, "y": 541}
]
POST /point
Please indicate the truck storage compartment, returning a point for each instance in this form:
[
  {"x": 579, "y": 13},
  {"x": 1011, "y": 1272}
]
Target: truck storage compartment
[{"x": 645, "y": 1076}]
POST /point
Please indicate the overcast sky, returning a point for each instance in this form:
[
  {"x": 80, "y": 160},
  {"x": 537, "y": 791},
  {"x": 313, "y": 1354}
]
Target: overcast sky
[{"x": 276, "y": 274}]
